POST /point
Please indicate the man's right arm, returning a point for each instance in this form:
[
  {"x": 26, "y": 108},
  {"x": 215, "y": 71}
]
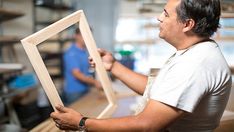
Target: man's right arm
[
  {"x": 86, "y": 79},
  {"x": 133, "y": 80}
]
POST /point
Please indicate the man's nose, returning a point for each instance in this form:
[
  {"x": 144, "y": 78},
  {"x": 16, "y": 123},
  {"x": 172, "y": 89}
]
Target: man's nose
[{"x": 160, "y": 17}]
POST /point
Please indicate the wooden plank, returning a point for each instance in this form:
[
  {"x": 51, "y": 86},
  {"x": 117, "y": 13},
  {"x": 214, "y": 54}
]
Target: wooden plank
[
  {"x": 90, "y": 108},
  {"x": 146, "y": 41},
  {"x": 41, "y": 126},
  {"x": 58, "y": 7},
  {"x": 6, "y": 40},
  {"x": 54, "y": 28},
  {"x": 6, "y": 15},
  {"x": 105, "y": 81},
  {"x": 227, "y": 15},
  {"x": 42, "y": 73},
  {"x": 30, "y": 45}
]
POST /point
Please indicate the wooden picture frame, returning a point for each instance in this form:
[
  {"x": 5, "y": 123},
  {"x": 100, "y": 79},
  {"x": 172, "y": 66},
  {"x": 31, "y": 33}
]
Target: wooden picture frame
[{"x": 30, "y": 46}]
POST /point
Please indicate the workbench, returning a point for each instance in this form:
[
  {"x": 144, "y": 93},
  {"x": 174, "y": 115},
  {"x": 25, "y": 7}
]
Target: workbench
[{"x": 93, "y": 103}]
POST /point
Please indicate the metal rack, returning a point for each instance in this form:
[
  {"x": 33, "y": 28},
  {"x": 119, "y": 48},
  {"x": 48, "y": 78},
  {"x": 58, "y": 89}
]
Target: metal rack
[
  {"x": 52, "y": 59},
  {"x": 8, "y": 41}
]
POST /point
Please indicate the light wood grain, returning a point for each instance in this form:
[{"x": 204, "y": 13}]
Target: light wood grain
[
  {"x": 30, "y": 45},
  {"x": 105, "y": 81}
]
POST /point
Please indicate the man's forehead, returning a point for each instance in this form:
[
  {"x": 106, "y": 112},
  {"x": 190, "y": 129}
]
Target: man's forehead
[{"x": 171, "y": 5}]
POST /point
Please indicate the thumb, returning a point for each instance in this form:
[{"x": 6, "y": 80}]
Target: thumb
[
  {"x": 62, "y": 109},
  {"x": 101, "y": 52}
]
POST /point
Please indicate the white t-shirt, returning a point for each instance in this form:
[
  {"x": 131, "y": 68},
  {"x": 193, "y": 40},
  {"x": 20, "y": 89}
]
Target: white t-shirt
[{"x": 196, "y": 80}]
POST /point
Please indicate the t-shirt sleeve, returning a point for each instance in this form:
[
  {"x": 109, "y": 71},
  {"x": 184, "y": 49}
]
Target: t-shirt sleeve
[{"x": 182, "y": 86}]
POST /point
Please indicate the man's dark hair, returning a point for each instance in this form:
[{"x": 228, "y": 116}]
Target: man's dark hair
[
  {"x": 205, "y": 13},
  {"x": 77, "y": 31}
]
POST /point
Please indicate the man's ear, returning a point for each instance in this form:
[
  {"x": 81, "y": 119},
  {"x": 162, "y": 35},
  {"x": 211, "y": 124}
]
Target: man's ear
[{"x": 188, "y": 25}]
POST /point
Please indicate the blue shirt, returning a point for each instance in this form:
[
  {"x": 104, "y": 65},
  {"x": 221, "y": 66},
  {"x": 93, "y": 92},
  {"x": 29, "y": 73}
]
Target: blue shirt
[{"x": 75, "y": 58}]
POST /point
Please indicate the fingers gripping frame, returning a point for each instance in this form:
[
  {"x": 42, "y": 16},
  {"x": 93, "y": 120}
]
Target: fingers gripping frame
[{"x": 30, "y": 45}]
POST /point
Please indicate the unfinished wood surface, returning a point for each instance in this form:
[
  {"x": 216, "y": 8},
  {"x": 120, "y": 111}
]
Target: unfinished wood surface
[
  {"x": 30, "y": 45},
  {"x": 54, "y": 28},
  {"x": 102, "y": 74},
  {"x": 87, "y": 105},
  {"x": 225, "y": 126},
  {"x": 6, "y": 15},
  {"x": 7, "y": 40},
  {"x": 42, "y": 73}
]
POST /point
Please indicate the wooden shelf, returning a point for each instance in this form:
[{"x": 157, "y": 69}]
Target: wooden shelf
[
  {"x": 60, "y": 40},
  {"x": 227, "y": 15},
  {"x": 6, "y": 15},
  {"x": 6, "y": 40},
  {"x": 11, "y": 68},
  {"x": 52, "y": 57},
  {"x": 8, "y": 70},
  {"x": 53, "y": 64},
  {"x": 223, "y": 38},
  {"x": 55, "y": 6},
  {"x": 146, "y": 41},
  {"x": 151, "y": 26},
  {"x": 45, "y": 23}
]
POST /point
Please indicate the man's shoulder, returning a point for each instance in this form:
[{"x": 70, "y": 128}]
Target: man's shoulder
[
  {"x": 72, "y": 50},
  {"x": 203, "y": 51}
]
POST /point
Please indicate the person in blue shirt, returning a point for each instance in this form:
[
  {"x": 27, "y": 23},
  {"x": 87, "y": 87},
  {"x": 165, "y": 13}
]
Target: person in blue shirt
[{"x": 76, "y": 65}]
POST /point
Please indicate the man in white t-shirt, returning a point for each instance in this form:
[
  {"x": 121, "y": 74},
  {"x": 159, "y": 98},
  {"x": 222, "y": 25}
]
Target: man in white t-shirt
[{"x": 191, "y": 90}]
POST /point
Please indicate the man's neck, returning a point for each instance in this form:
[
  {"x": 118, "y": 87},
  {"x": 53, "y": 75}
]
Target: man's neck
[
  {"x": 186, "y": 43},
  {"x": 79, "y": 45}
]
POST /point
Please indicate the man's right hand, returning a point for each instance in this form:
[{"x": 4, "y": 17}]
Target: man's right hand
[
  {"x": 98, "y": 85},
  {"x": 107, "y": 59},
  {"x": 136, "y": 82}
]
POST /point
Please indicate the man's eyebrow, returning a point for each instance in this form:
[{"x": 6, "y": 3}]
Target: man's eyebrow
[{"x": 166, "y": 11}]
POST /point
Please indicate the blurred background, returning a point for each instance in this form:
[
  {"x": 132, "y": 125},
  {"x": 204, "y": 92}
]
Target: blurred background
[{"x": 127, "y": 28}]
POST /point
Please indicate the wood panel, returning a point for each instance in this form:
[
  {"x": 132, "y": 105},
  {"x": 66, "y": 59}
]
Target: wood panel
[{"x": 30, "y": 45}]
